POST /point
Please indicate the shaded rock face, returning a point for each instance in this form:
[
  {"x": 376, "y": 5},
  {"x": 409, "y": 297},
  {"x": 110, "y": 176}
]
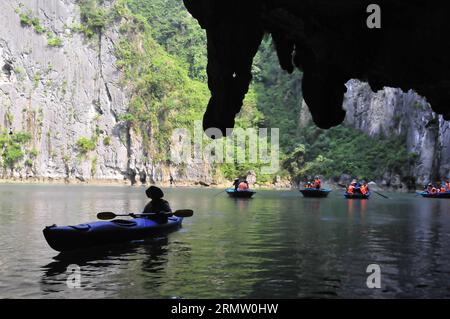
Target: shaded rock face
[
  {"x": 392, "y": 112},
  {"x": 331, "y": 43},
  {"x": 60, "y": 94}
]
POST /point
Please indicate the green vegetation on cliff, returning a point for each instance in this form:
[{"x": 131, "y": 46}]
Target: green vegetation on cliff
[
  {"x": 162, "y": 52},
  {"x": 13, "y": 148},
  {"x": 342, "y": 150}
]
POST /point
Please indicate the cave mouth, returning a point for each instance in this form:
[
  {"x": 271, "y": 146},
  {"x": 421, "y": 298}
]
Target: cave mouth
[
  {"x": 331, "y": 43},
  {"x": 8, "y": 69}
]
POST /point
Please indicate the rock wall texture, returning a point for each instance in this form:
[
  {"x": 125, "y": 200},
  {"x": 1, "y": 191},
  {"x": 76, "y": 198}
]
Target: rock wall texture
[
  {"x": 392, "y": 112},
  {"x": 60, "y": 94}
]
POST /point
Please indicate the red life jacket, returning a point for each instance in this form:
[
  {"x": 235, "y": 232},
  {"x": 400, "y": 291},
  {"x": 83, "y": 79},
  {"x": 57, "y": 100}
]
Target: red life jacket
[
  {"x": 243, "y": 186},
  {"x": 317, "y": 183},
  {"x": 363, "y": 189},
  {"x": 350, "y": 189}
]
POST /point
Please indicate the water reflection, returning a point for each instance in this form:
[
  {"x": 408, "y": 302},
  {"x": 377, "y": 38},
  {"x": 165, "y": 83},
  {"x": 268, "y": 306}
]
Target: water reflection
[
  {"x": 278, "y": 244},
  {"x": 115, "y": 263}
]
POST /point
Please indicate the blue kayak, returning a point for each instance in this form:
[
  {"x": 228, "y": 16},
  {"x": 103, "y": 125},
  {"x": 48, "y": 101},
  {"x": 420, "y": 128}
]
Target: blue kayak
[
  {"x": 240, "y": 194},
  {"x": 315, "y": 192},
  {"x": 435, "y": 195},
  {"x": 68, "y": 238},
  {"x": 357, "y": 195}
]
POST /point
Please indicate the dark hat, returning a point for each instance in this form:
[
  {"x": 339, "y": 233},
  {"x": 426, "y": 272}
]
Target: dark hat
[{"x": 154, "y": 192}]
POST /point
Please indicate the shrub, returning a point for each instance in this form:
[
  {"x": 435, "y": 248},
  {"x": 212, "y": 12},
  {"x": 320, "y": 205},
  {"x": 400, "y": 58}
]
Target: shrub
[
  {"x": 54, "y": 41},
  {"x": 107, "y": 141},
  {"x": 86, "y": 145},
  {"x": 28, "y": 162},
  {"x": 11, "y": 147}
]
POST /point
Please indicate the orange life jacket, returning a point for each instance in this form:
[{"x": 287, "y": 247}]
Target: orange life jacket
[
  {"x": 448, "y": 186},
  {"x": 363, "y": 189},
  {"x": 443, "y": 190},
  {"x": 350, "y": 189}
]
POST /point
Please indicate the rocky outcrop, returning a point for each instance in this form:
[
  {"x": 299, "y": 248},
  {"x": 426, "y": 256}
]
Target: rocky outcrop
[
  {"x": 63, "y": 92},
  {"x": 405, "y": 114},
  {"x": 331, "y": 42},
  {"x": 392, "y": 112}
]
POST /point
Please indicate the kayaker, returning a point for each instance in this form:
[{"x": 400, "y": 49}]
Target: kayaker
[
  {"x": 447, "y": 185},
  {"x": 243, "y": 185},
  {"x": 236, "y": 183},
  {"x": 351, "y": 187},
  {"x": 364, "y": 189},
  {"x": 429, "y": 187},
  {"x": 157, "y": 205},
  {"x": 317, "y": 182},
  {"x": 443, "y": 188}
]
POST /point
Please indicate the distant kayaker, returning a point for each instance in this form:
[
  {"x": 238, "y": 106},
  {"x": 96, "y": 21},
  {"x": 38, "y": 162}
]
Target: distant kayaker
[
  {"x": 157, "y": 205},
  {"x": 317, "y": 183},
  {"x": 236, "y": 183},
  {"x": 351, "y": 187},
  {"x": 364, "y": 189},
  {"x": 243, "y": 185}
]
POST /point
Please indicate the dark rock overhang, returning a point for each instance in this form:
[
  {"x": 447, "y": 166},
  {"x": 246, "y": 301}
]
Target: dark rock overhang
[{"x": 330, "y": 42}]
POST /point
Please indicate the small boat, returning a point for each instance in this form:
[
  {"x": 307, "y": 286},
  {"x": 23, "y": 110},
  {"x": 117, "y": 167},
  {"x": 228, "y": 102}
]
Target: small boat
[
  {"x": 357, "y": 195},
  {"x": 435, "y": 195},
  {"x": 314, "y": 192},
  {"x": 240, "y": 194},
  {"x": 69, "y": 238}
]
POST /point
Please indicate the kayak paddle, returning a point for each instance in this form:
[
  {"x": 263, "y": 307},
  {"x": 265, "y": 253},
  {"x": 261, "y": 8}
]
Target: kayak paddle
[
  {"x": 220, "y": 192},
  {"x": 178, "y": 213},
  {"x": 380, "y": 194}
]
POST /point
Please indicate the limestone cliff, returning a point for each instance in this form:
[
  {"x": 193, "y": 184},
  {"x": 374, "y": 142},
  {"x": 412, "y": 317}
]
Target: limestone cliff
[
  {"x": 407, "y": 115},
  {"x": 61, "y": 87}
]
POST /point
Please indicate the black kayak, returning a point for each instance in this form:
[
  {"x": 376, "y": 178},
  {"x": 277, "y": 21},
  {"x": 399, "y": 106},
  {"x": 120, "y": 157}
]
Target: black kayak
[
  {"x": 315, "y": 192},
  {"x": 357, "y": 196},
  {"x": 68, "y": 238},
  {"x": 240, "y": 194},
  {"x": 435, "y": 195}
]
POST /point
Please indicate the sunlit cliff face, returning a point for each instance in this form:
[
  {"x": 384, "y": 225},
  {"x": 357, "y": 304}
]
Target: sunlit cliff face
[{"x": 401, "y": 44}]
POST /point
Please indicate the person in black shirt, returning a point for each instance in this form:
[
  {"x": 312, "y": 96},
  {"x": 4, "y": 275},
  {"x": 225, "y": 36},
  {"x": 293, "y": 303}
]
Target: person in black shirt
[
  {"x": 157, "y": 205},
  {"x": 236, "y": 183}
]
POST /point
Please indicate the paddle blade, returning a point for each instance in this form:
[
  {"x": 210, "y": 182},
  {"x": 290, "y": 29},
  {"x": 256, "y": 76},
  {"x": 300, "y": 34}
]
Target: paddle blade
[
  {"x": 106, "y": 215},
  {"x": 381, "y": 194},
  {"x": 184, "y": 213}
]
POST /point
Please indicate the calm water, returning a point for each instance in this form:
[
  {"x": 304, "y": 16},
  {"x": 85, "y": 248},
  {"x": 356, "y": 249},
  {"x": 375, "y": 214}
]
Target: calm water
[{"x": 276, "y": 245}]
